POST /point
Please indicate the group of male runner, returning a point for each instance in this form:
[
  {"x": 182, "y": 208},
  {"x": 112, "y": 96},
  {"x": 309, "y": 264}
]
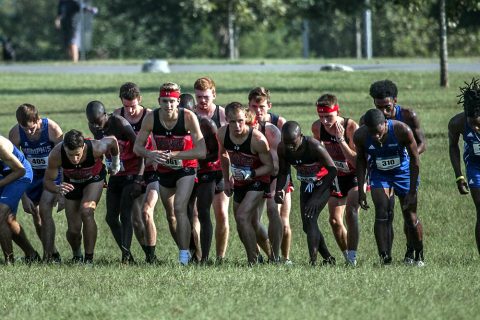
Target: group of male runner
[{"x": 194, "y": 156}]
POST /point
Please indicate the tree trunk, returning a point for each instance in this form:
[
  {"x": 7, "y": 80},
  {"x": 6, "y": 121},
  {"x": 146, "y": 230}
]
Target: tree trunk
[
  {"x": 231, "y": 32},
  {"x": 443, "y": 46}
]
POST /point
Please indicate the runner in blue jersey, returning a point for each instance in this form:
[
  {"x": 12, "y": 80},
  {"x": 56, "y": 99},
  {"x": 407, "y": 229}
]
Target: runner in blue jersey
[
  {"x": 15, "y": 176},
  {"x": 36, "y": 137},
  {"x": 391, "y": 151},
  {"x": 384, "y": 94},
  {"x": 467, "y": 124}
]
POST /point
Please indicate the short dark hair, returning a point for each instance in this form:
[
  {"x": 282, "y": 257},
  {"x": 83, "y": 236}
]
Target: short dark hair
[
  {"x": 234, "y": 107},
  {"x": 327, "y": 100},
  {"x": 129, "y": 91},
  {"x": 291, "y": 129},
  {"x": 73, "y": 139},
  {"x": 94, "y": 109},
  {"x": 383, "y": 89},
  {"x": 186, "y": 101},
  {"x": 26, "y": 113},
  {"x": 373, "y": 118},
  {"x": 470, "y": 98},
  {"x": 259, "y": 94}
]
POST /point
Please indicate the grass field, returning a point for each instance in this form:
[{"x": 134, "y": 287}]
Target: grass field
[{"x": 447, "y": 288}]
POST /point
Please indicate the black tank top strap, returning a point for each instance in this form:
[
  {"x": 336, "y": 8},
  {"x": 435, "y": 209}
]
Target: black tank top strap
[
  {"x": 245, "y": 147},
  {"x": 216, "y": 117},
  {"x": 345, "y": 126},
  {"x": 274, "y": 119},
  {"x": 157, "y": 126},
  {"x": 90, "y": 158},
  {"x": 122, "y": 112}
]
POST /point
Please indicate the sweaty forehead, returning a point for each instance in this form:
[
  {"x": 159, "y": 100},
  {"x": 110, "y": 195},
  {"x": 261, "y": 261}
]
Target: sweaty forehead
[{"x": 383, "y": 102}]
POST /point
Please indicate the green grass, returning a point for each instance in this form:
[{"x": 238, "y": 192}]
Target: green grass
[{"x": 446, "y": 288}]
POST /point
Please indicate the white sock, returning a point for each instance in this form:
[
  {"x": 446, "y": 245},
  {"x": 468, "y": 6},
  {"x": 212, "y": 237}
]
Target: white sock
[{"x": 184, "y": 257}]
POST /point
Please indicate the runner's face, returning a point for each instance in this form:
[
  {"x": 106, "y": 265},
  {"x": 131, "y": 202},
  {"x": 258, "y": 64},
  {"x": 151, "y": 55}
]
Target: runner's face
[
  {"x": 387, "y": 106},
  {"x": 167, "y": 104},
  {"x": 260, "y": 108},
  {"x": 328, "y": 119},
  {"x": 205, "y": 99},
  {"x": 236, "y": 122},
  {"x": 474, "y": 123},
  {"x": 378, "y": 133},
  {"x": 292, "y": 143},
  {"x": 31, "y": 128},
  {"x": 99, "y": 122},
  {"x": 74, "y": 155},
  {"x": 132, "y": 107}
]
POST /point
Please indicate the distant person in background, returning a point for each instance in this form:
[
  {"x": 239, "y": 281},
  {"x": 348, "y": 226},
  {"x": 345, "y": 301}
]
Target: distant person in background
[
  {"x": 467, "y": 124},
  {"x": 8, "y": 52},
  {"x": 68, "y": 20}
]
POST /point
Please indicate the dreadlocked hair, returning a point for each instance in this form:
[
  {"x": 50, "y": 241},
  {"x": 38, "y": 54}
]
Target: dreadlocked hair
[{"x": 470, "y": 98}]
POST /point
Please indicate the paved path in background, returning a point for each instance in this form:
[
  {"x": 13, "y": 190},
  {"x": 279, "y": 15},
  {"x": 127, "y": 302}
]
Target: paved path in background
[{"x": 79, "y": 68}]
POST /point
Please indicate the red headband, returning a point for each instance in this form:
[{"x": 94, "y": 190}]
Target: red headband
[
  {"x": 327, "y": 109},
  {"x": 170, "y": 94}
]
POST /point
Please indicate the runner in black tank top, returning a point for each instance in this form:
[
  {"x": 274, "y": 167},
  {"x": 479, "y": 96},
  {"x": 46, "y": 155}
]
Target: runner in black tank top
[
  {"x": 336, "y": 134},
  {"x": 310, "y": 159}
]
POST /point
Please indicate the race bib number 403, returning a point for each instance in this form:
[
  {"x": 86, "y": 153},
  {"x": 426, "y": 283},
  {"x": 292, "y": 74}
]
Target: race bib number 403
[
  {"x": 38, "y": 163},
  {"x": 388, "y": 163}
]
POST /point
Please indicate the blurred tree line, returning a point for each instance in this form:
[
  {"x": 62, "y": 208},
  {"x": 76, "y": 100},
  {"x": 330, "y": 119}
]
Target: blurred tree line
[{"x": 269, "y": 28}]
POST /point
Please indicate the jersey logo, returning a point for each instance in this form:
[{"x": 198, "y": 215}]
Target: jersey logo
[
  {"x": 42, "y": 143},
  {"x": 371, "y": 147},
  {"x": 471, "y": 181},
  {"x": 236, "y": 147},
  {"x": 26, "y": 144},
  {"x": 470, "y": 135}
]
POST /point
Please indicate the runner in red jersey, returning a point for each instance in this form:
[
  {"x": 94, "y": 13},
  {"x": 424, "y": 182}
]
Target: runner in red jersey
[
  {"x": 84, "y": 175},
  {"x": 205, "y": 186},
  {"x": 134, "y": 113},
  {"x": 179, "y": 143},
  {"x": 316, "y": 171},
  {"x": 125, "y": 186},
  {"x": 336, "y": 134},
  {"x": 245, "y": 152},
  {"x": 206, "y": 93}
]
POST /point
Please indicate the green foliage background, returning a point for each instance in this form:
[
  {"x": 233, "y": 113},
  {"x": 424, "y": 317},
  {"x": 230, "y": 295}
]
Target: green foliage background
[{"x": 269, "y": 29}]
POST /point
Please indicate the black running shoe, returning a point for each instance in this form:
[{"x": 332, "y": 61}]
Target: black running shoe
[
  {"x": 34, "y": 258},
  {"x": 127, "y": 258},
  {"x": 385, "y": 260},
  {"x": 329, "y": 261},
  {"x": 77, "y": 259},
  {"x": 151, "y": 259},
  {"x": 409, "y": 259}
]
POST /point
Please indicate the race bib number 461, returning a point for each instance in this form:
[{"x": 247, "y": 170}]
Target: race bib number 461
[
  {"x": 174, "y": 164},
  {"x": 388, "y": 163}
]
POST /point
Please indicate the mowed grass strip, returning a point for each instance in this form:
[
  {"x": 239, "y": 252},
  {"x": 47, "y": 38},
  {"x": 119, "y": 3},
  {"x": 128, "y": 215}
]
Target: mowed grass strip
[{"x": 446, "y": 288}]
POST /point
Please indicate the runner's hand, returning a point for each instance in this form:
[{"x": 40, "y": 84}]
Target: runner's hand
[
  {"x": 29, "y": 206},
  {"x": 279, "y": 197},
  {"x": 362, "y": 201},
  {"x": 463, "y": 186}
]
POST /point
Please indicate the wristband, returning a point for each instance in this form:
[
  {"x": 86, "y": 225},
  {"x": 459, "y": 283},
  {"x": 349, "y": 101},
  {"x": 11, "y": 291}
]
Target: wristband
[
  {"x": 340, "y": 139},
  {"x": 460, "y": 178}
]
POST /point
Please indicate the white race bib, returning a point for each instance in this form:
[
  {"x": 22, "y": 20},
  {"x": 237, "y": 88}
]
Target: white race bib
[
  {"x": 240, "y": 173},
  {"x": 307, "y": 179},
  {"x": 476, "y": 148},
  {"x": 341, "y": 166},
  {"x": 388, "y": 163},
  {"x": 174, "y": 164},
  {"x": 38, "y": 162},
  {"x": 108, "y": 165}
]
